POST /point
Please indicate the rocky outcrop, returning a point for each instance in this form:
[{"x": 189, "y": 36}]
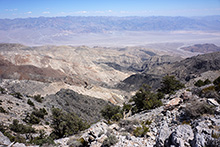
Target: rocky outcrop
[{"x": 4, "y": 141}]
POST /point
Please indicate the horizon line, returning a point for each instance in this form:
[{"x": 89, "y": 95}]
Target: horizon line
[{"x": 108, "y": 16}]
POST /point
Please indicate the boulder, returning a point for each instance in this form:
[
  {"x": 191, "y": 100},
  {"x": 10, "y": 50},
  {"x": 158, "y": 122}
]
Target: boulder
[
  {"x": 4, "y": 140},
  {"x": 212, "y": 102},
  {"x": 19, "y": 145},
  {"x": 182, "y": 136},
  {"x": 174, "y": 102},
  {"x": 95, "y": 131},
  {"x": 163, "y": 135}
]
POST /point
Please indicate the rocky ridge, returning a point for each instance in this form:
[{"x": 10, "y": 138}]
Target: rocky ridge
[{"x": 166, "y": 127}]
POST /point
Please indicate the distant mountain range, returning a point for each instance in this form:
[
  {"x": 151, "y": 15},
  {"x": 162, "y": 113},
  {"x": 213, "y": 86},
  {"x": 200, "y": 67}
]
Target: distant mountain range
[
  {"x": 99, "y": 24},
  {"x": 202, "y": 48}
]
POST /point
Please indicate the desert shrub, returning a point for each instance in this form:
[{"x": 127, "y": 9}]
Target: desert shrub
[
  {"x": 2, "y": 90},
  {"x": 29, "y": 102},
  {"x": 141, "y": 131},
  {"x": 207, "y": 81},
  {"x": 42, "y": 139},
  {"x": 17, "y": 95},
  {"x": 2, "y": 110},
  {"x": 32, "y": 119},
  {"x": 20, "y": 128},
  {"x": 126, "y": 107},
  {"x": 15, "y": 137},
  {"x": 216, "y": 135},
  {"x": 169, "y": 85},
  {"x": 144, "y": 99},
  {"x": 199, "y": 83},
  {"x": 111, "y": 140},
  {"x": 196, "y": 109},
  {"x": 216, "y": 82},
  {"x": 128, "y": 124},
  {"x": 38, "y": 98},
  {"x": 111, "y": 112},
  {"x": 65, "y": 124},
  {"x": 117, "y": 117},
  {"x": 73, "y": 142},
  {"x": 147, "y": 122},
  {"x": 40, "y": 113}
]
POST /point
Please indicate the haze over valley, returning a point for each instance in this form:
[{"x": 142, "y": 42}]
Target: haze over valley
[{"x": 100, "y": 73}]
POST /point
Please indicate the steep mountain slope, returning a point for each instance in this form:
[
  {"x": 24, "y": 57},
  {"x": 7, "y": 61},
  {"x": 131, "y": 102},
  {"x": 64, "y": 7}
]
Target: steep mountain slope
[
  {"x": 89, "y": 71},
  {"x": 185, "y": 70}
]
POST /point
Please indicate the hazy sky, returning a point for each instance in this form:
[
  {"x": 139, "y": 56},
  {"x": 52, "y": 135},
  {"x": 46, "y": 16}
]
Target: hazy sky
[{"x": 36, "y": 8}]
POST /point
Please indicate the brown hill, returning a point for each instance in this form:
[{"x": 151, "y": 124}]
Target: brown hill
[{"x": 28, "y": 72}]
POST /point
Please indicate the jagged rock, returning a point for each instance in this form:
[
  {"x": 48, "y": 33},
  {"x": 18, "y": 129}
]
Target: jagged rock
[
  {"x": 199, "y": 140},
  {"x": 19, "y": 145},
  {"x": 164, "y": 134},
  {"x": 62, "y": 141},
  {"x": 182, "y": 136},
  {"x": 174, "y": 102},
  {"x": 212, "y": 102},
  {"x": 186, "y": 95},
  {"x": 114, "y": 126},
  {"x": 95, "y": 131},
  {"x": 4, "y": 140}
]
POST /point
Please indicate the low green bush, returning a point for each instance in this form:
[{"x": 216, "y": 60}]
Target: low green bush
[
  {"x": 2, "y": 110},
  {"x": 32, "y": 119},
  {"x": 111, "y": 140},
  {"x": 141, "y": 131},
  {"x": 66, "y": 124},
  {"x": 42, "y": 139},
  {"x": 111, "y": 112},
  {"x": 144, "y": 99},
  {"x": 169, "y": 85},
  {"x": 29, "y": 102},
  {"x": 40, "y": 113},
  {"x": 2, "y": 90},
  {"x": 195, "y": 109},
  {"x": 38, "y": 98},
  {"x": 17, "y": 95},
  {"x": 20, "y": 128},
  {"x": 201, "y": 83}
]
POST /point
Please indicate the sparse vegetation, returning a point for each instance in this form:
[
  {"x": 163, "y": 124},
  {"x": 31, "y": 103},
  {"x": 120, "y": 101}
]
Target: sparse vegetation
[
  {"x": 216, "y": 82},
  {"x": 32, "y": 119},
  {"x": 17, "y": 95},
  {"x": 111, "y": 140},
  {"x": 40, "y": 113},
  {"x": 65, "y": 124},
  {"x": 38, "y": 98},
  {"x": 140, "y": 131},
  {"x": 20, "y": 128},
  {"x": 2, "y": 90},
  {"x": 42, "y": 139},
  {"x": 29, "y": 102},
  {"x": 169, "y": 85},
  {"x": 201, "y": 83},
  {"x": 196, "y": 109},
  {"x": 111, "y": 112},
  {"x": 144, "y": 99},
  {"x": 2, "y": 110}
]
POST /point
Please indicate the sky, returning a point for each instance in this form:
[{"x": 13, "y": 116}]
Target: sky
[{"x": 52, "y": 8}]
